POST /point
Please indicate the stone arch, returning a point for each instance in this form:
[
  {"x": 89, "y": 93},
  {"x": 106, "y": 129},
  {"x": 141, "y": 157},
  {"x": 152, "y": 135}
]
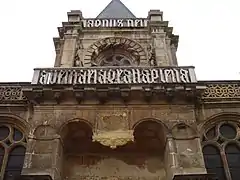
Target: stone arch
[
  {"x": 44, "y": 131},
  {"x": 234, "y": 117},
  {"x": 13, "y": 142},
  {"x": 150, "y": 134},
  {"x": 166, "y": 129},
  {"x": 74, "y": 134},
  {"x": 60, "y": 129},
  {"x": 131, "y": 46},
  {"x": 16, "y": 121},
  {"x": 183, "y": 131},
  {"x": 222, "y": 131}
]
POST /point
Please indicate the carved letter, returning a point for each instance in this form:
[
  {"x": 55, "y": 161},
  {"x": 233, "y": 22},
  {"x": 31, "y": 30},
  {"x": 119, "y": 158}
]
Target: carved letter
[
  {"x": 120, "y": 22},
  {"x": 111, "y": 76},
  {"x": 154, "y": 76},
  {"x": 90, "y": 23},
  {"x": 92, "y": 76},
  {"x": 138, "y": 23},
  {"x": 53, "y": 77},
  {"x": 82, "y": 77},
  {"x": 43, "y": 77},
  {"x": 127, "y": 78},
  {"x": 105, "y": 23},
  {"x": 119, "y": 74},
  {"x": 161, "y": 74},
  {"x": 61, "y": 75},
  {"x": 184, "y": 75},
  {"x": 146, "y": 76},
  {"x": 97, "y": 23},
  {"x": 102, "y": 75},
  {"x": 130, "y": 23}
]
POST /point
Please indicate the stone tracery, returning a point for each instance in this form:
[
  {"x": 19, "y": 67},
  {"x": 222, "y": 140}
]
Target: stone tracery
[
  {"x": 221, "y": 149},
  {"x": 12, "y": 151},
  {"x": 115, "y": 51}
]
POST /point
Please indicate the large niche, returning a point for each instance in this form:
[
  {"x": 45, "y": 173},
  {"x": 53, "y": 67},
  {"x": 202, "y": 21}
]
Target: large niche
[{"x": 142, "y": 158}]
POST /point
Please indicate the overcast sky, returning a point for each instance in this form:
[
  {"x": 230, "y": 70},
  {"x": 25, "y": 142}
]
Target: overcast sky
[{"x": 209, "y": 33}]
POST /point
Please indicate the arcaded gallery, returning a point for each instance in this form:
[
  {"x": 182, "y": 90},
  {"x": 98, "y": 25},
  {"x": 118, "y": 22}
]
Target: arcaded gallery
[{"x": 116, "y": 106}]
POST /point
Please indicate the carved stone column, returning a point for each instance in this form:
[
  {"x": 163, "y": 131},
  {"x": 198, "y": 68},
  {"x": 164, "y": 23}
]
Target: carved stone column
[{"x": 44, "y": 154}]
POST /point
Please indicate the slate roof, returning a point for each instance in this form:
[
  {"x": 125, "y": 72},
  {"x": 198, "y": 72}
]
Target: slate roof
[{"x": 116, "y": 10}]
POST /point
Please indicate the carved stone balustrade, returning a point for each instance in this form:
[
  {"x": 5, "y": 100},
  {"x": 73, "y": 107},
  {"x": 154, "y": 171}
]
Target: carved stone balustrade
[
  {"x": 12, "y": 93},
  {"x": 221, "y": 91}
]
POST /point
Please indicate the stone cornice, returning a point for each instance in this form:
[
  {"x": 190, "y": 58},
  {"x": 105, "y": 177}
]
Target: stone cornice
[
  {"x": 216, "y": 92},
  {"x": 58, "y": 94}
]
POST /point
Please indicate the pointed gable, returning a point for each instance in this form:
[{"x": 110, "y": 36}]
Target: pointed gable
[{"x": 116, "y": 10}]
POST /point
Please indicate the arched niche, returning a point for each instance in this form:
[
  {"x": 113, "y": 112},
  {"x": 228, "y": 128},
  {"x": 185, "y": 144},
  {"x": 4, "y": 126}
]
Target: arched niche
[
  {"x": 115, "y": 51},
  {"x": 76, "y": 137},
  {"x": 150, "y": 135},
  {"x": 183, "y": 131},
  {"x": 44, "y": 131}
]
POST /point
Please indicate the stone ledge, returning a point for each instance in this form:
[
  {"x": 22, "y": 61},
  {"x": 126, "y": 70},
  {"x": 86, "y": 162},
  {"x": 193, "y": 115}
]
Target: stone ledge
[
  {"x": 195, "y": 177},
  {"x": 31, "y": 177}
]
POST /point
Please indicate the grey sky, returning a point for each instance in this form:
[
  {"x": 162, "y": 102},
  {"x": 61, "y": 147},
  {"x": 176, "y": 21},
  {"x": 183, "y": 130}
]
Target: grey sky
[{"x": 208, "y": 29}]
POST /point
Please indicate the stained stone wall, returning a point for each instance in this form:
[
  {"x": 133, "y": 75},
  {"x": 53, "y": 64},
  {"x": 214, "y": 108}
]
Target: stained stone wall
[{"x": 48, "y": 148}]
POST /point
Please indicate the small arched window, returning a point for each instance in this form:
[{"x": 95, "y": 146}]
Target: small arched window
[
  {"x": 221, "y": 150},
  {"x": 12, "y": 151}
]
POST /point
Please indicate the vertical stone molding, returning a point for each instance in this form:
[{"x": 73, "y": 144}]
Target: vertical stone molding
[
  {"x": 71, "y": 32},
  {"x": 171, "y": 159},
  {"x": 68, "y": 54}
]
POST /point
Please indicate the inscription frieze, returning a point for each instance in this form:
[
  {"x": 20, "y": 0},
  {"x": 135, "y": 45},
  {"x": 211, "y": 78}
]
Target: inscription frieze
[
  {"x": 111, "y": 23},
  {"x": 127, "y": 75}
]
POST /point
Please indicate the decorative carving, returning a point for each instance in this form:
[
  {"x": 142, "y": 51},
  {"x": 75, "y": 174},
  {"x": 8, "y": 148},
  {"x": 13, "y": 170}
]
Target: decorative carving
[
  {"x": 116, "y": 60},
  {"x": 112, "y": 121},
  {"x": 112, "y": 129},
  {"x": 78, "y": 61},
  {"x": 113, "y": 139},
  {"x": 111, "y": 45},
  {"x": 11, "y": 94},
  {"x": 222, "y": 91},
  {"x": 151, "y": 55}
]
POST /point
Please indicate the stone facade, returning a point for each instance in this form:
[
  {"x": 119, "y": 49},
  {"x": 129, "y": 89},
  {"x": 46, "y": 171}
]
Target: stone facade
[{"x": 116, "y": 131}]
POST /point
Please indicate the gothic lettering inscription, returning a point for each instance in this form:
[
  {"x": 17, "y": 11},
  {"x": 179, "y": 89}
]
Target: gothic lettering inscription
[
  {"x": 93, "y": 76},
  {"x": 108, "y": 23}
]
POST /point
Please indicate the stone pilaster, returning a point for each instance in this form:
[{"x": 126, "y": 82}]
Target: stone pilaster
[
  {"x": 158, "y": 38},
  {"x": 43, "y": 157},
  {"x": 190, "y": 156},
  {"x": 70, "y": 38}
]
